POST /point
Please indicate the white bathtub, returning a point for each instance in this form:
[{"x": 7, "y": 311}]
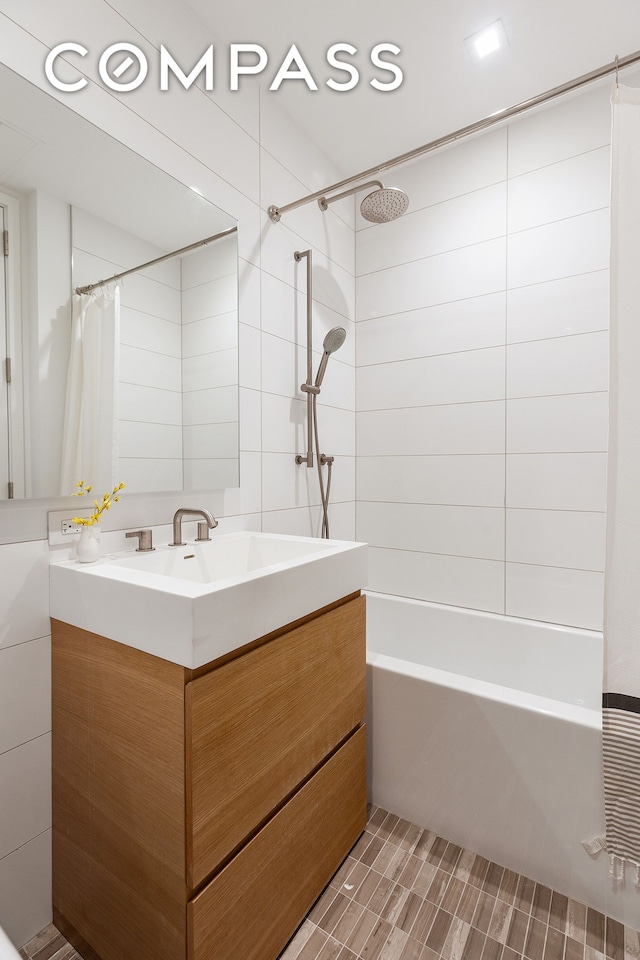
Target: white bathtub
[
  {"x": 487, "y": 730},
  {"x": 7, "y": 949}
]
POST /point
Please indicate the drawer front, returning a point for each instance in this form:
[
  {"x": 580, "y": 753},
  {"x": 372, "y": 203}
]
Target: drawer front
[
  {"x": 253, "y": 906},
  {"x": 259, "y": 725}
]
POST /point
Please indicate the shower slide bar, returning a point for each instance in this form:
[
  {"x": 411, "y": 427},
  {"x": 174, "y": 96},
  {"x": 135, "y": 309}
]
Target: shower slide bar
[
  {"x": 152, "y": 263},
  {"x": 619, "y": 63}
]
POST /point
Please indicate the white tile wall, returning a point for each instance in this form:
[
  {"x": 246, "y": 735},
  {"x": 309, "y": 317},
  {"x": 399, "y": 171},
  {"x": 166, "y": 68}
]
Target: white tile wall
[{"x": 482, "y": 375}]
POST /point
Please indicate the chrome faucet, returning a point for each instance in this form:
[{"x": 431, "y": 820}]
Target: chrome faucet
[{"x": 208, "y": 522}]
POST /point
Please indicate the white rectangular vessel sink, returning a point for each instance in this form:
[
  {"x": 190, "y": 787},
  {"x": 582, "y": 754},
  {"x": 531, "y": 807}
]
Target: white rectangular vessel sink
[{"x": 195, "y": 603}]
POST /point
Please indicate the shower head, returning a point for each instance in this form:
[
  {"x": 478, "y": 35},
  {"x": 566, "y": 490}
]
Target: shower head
[
  {"x": 379, "y": 206},
  {"x": 332, "y": 342},
  {"x": 384, "y": 204}
]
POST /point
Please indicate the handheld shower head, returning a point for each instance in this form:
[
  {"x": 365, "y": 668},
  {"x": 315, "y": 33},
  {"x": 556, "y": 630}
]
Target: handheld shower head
[{"x": 332, "y": 342}]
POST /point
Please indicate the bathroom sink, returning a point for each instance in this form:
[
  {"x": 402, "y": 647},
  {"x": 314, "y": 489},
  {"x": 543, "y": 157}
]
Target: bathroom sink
[{"x": 193, "y": 604}]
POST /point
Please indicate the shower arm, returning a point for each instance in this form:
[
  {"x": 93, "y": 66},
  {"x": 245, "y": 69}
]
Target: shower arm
[
  {"x": 323, "y": 202},
  {"x": 308, "y": 387}
]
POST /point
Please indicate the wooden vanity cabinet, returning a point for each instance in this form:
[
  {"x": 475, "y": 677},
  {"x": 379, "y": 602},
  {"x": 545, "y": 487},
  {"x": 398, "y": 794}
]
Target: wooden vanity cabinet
[{"x": 199, "y": 813}]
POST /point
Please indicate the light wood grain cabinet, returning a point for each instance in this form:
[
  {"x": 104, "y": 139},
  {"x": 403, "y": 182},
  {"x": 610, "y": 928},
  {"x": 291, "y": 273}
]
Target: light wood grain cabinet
[{"x": 198, "y": 814}]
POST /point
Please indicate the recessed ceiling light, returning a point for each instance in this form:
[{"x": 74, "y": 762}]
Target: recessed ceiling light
[{"x": 486, "y": 41}]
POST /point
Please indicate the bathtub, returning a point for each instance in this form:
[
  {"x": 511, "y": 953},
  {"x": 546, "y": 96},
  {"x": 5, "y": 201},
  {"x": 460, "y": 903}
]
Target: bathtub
[
  {"x": 487, "y": 730},
  {"x": 7, "y": 949}
]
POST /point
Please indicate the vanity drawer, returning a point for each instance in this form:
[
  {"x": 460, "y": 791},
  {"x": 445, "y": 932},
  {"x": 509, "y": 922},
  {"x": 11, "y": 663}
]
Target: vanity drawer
[
  {"x": 253, "y": 735},
  {"x": 253, "y": 906}
]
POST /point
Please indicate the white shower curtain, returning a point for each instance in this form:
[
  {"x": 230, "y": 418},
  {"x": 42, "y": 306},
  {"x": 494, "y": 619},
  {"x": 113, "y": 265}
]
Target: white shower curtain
[
  {"x": 90, "y": 436},
  {"x": 621, "y": 698}
]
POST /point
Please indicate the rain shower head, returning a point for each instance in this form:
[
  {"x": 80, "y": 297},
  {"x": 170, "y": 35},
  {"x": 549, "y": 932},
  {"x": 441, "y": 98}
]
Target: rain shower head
[
  {"x": 332, "y": 342},
  {"x": 379, "y": 206}
]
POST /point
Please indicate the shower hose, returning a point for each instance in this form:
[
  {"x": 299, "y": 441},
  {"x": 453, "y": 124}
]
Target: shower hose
[{"x": 321, "y": 459}]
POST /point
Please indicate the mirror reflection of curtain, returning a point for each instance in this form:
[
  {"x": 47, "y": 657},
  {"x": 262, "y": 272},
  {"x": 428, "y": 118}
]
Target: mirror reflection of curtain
[{"x": 90, "y": 436}]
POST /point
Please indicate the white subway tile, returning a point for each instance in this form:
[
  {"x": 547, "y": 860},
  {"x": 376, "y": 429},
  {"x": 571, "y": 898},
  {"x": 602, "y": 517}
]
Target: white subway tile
[
  {"x": 147, "y": 332},
  {"x": 211, "y": 334},
  {"x": 283, "y": 424},
  {"x": 449, "y": 225},
  {"x": 445, "y": 328},
  {"x": 204, "y": 371},
  {"x": 25, "y": 793},
  {"x": 149, "y": 440},
  {"x": 250, "y": 416},
  {"x": 211, "y": 441},
  {"x": 150, "y": 404},
  {"x": 148, "y": 296},
  {"x": 460, "y": 581},
  {"x": 466, "y": 377},
  {"x": 563, "y": 249},
  {"x": 562, "y": 130},
  {"x": 215, "y": 474},
  {"x": 25, "y": 889},
  {"x": 564, "y": 189},
  {"x": 24, "y": 598},
  {"x": 578, "y": 364},
  {"x": 285, "y": 484},
  {"x": 468, "y": 272},
  {"x": 559, "y": 308},
  {"x": 448, "y": 428},
  {"x": 216, "y": 405},
  {"x": 555, "y": 595},
  {"x": 219, "y": 259},
  {"x": 557, "y": 481},
  {"x": 297, "y": 521},
  {"x": 573, "y": 423},
  {"x": 149, "y": 476},
  {"x": 556, "y": 538},
  {"x": 283, "y": 366},
  {"x": 148, "y": 369},
  {"x": 462, "y": 480},
  {"x": 25, "y": 692},
  {"x": 248, "y": 293},
  {"x": 249, "y": 356},
  {"x": 210, "y": 299},
  {"x": 452, "y": 530}
]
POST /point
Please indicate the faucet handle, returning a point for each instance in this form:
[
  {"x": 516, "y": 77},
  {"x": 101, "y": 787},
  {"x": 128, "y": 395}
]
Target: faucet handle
[
  {"x": 203, "y": 531},
  {"x": 145, "y": 540}
]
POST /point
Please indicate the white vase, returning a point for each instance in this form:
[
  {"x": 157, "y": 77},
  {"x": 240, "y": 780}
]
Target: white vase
[{"x": 88, "y": 546}]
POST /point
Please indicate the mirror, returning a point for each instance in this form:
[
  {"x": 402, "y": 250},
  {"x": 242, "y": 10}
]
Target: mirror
[{"x": 78, "y": 207}]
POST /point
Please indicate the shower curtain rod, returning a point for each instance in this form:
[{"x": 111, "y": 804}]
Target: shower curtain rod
[
  {"x": 617, "y": 64},
  {"x": 151, "y": 263}
]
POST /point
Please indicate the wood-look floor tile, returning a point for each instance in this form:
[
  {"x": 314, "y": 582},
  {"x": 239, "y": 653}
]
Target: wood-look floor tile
[
  {"x": 424, "y": 879},
  {"x": 376, "y": 939},
  {"x": 375, "y": 818},
  {"x": 474, "y": 946},
  {"x": 524, "y": 894},
  {"x": 450, "y": 857},
  {"x": 508, "y": 886},
  {"x": 464, "y": 865},
  {"x": 468, "y": 903},
  {"x": 509, "y": 954},
  {"x": 482, "y": 916},
  {"x": 456, "y": 940},
  {"x": 439, "y": 930},
  {"x": 558, "y": 911},
  {"x": 346, "y": 954},
  {"x": 48, "y": 950},
  {"x": 333, "y": 913},
  {"x": 595, "y": 930},
  {"x": 314, "y": 945},
  {"x": 614, "y": 939},
  {"x": 573, "y": 950},
  {"x": 399, "y": 832},
  {"x": 411, "y": 838},
  {"x": 395, "y": 944},
  {"x": 500, "y": 921},
  {"x": 361, "y": 930},
  {"x": 493, "y": 879},
  {"x": 577, "y": 921},
  {"x": 330, "y": 950},
  {"x": 410, "y": 909},
  {"x": 492, "y": 949},
  {"x": 410, "y": 871},
  {"x": 322, "y": 904},
  {"x": 380, "y": 895},
  {"x": 425, "y": 842},
  {"x": 347, "y": 921},
  {"x": 395, "y": 903},
  {"x": 372, "y": 850},
  {"x": 438, "y": 887},
  {"x": 452, "y": 895},
  {"x": 536, "y": 935},
  {"x": 437, "y": 850},
  {"x": 541, "y": 903},
  {"x": 554, "y": 945},
  {"x": 298, "y": 941},
  {"x": 386, "y": 828},
  {"x": 478, "y": 871},
  {"x": 517, "y": 933},
  {"x": 424, "y": 921},
  {"x": 631, "y": 944},
  {"x": 367, "y": 888},
  {"x": 411, "y": 950}
]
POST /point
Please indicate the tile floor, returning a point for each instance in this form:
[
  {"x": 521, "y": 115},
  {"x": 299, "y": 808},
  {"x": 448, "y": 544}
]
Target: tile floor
[{"x": 404, "y": 893}]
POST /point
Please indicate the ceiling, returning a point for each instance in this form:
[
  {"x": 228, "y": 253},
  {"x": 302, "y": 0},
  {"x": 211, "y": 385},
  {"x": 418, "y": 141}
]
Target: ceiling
[{"x": 550, "y": 42}]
